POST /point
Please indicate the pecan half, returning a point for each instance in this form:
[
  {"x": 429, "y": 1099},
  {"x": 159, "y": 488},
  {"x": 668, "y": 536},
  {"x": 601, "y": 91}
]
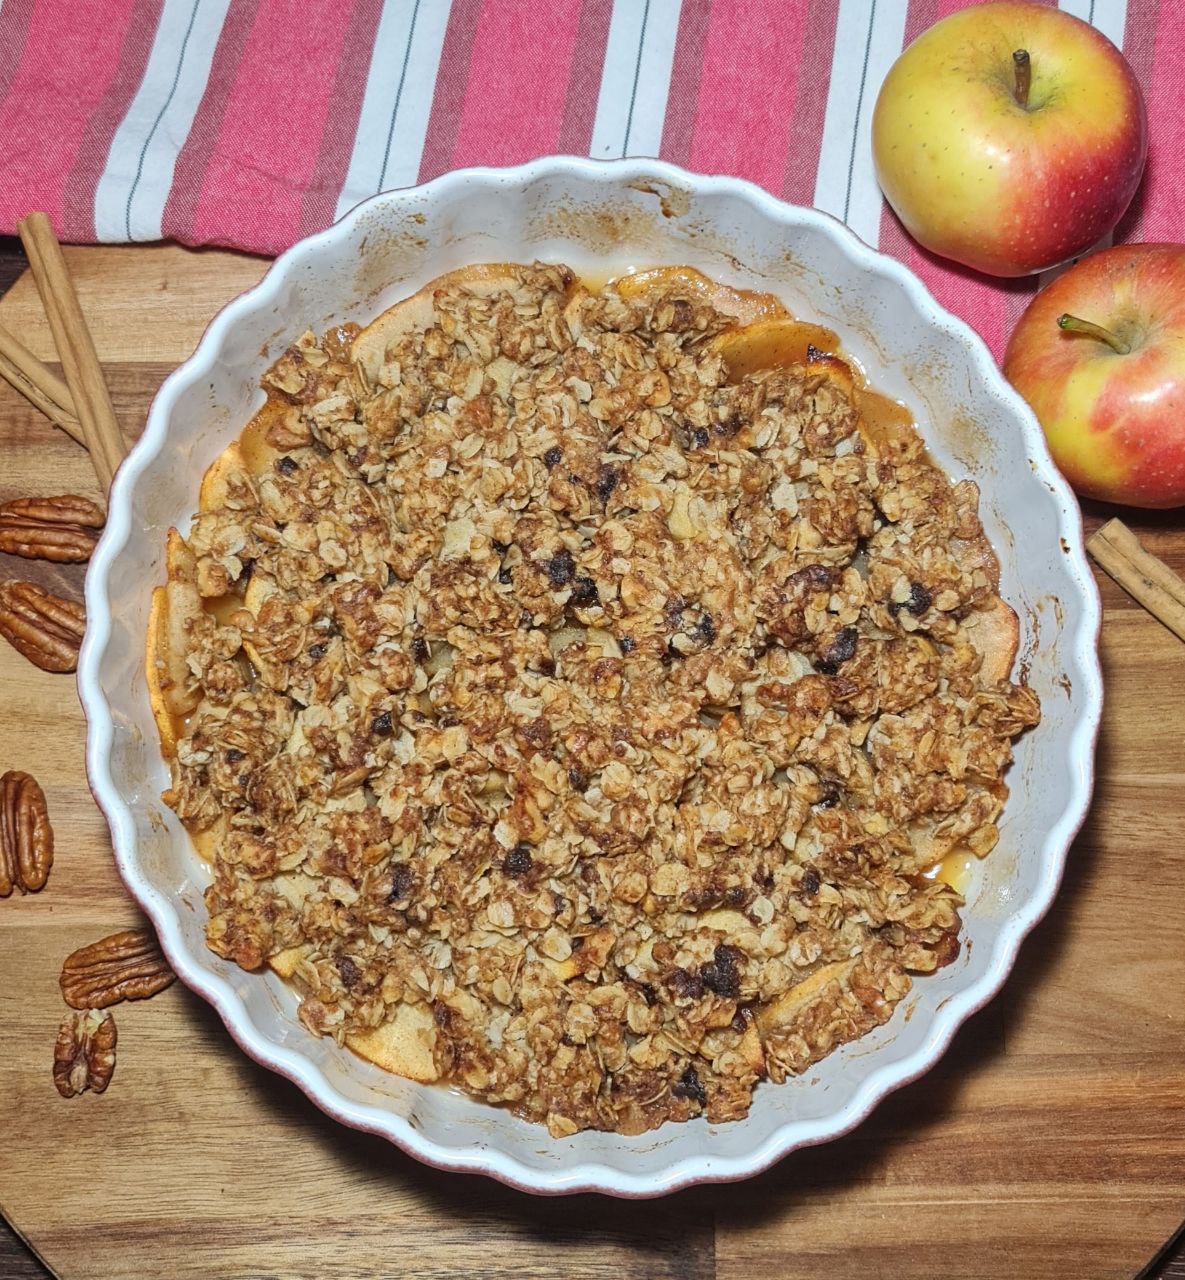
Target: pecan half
[
  {"x": 63, "y": 529},
  {"x": 26, "y": 836},
  {"x": 43, "y": 627},
  {"x": 84, "y": 1055},
  {"x": 125, "y": 966}
]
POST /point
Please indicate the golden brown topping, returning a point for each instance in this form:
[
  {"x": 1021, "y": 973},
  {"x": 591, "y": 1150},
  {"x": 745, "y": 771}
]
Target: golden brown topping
[
  {"x": 26, "y": 836},
  {"x": 575, "y": 722}
]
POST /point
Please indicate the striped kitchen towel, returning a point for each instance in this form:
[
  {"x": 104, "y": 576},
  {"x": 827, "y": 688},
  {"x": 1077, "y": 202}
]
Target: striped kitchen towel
[{"x": 251, "y": 123}]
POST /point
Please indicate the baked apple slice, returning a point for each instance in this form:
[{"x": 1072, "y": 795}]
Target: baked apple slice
[
  {"x": 994, "y": 630},
  {"x": 402, "y": 1044},
  {"x": 259, "y": 589},
  {"x": 771, "y": 344},
  {"x": 206, "y": 840},
  {"x": 173, "y": 693},
  {"x": 744, "y": 306},
  {"x": 417, "y": 312},
  {"x": 781, "y": 1012},
  {"x": 252, "y": 454}
]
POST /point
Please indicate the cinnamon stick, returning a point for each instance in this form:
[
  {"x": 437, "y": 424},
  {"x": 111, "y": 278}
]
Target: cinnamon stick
[
  {"x": 39, "y": 385},
  {"x": 1147, "y": 579},
  {"x": 76, "y": 348}
]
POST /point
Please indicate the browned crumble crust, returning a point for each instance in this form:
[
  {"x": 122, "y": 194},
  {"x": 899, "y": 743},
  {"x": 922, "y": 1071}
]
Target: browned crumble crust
[{"x": 610, "y": 711}]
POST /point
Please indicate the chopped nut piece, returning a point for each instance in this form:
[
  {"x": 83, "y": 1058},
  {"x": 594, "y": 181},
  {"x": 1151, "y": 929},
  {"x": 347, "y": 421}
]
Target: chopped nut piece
[
  {"x": 124, "y": 966},
  {"x": 43, "y": 627},
  {"x": 63, "y": 529},
  {"x": 26, "y": 835},
  {"x": 84, "y": 1055}
]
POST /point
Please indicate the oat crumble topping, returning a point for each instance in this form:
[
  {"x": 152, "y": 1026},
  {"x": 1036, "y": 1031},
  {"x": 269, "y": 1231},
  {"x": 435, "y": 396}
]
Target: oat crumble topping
[{"x": 604, "y": 711}]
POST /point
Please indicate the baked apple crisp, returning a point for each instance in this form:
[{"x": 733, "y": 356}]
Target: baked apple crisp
[{"x": 575, "y": 691}]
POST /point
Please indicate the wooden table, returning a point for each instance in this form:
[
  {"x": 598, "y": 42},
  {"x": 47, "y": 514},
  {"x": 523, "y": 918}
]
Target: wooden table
[{"x": 1050, "y": 1141}]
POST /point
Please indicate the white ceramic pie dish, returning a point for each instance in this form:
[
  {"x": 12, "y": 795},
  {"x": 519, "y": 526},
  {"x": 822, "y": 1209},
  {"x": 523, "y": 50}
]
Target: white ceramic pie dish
[{"x": 603, "y": 218}]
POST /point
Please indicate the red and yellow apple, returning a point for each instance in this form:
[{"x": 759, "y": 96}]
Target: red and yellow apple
[
  {"x": 1100, "y": 356},
  {"x": 1009, "y": 137}
]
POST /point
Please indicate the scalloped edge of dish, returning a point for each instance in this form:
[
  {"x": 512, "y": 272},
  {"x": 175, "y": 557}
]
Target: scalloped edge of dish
[{"x": 584, "y": 1176}]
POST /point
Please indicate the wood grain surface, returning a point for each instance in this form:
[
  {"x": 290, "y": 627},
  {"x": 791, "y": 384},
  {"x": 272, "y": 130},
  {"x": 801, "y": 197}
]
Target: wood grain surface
[{"x": 1050, "y": 1141}]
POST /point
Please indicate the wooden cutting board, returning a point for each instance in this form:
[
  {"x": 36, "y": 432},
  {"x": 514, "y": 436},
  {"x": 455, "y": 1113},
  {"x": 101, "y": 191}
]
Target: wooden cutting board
[{"x": 1050, "y": 1142}]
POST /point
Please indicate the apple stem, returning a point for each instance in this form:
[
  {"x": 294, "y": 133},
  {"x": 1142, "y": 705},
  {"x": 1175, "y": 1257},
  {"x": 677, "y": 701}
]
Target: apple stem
[
  {"x": 1022, "y": 67},
  {"x": 1092, "y": 330}
]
